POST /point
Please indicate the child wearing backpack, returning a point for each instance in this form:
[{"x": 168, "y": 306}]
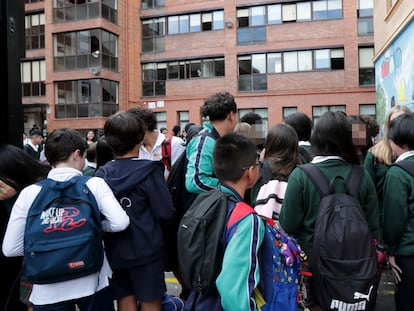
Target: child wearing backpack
[
  {"x": 335, "y": 157},
  {"x": 236, "y": 166},
  {"x": 137, "y": 254},
  {"x": 398, "y": 228},
  {"x": 65, "y": 151}
]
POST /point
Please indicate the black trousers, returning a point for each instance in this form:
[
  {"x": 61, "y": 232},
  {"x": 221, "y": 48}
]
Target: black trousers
[{"x": 405, "y": 289}]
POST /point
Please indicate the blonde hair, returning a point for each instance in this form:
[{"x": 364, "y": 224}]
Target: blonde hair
[
  {"x": 382, "y": 150},
  {"x": 243, "y": 128}
]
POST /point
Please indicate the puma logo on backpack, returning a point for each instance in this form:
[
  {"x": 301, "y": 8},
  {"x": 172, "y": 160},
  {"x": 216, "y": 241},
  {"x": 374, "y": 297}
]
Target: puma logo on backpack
[{"x": 343, "y": 258}]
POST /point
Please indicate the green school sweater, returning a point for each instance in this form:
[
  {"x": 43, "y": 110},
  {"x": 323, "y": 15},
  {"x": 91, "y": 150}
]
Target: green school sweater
[
  {"x": 398, "y": 211},
  {"x": 377, "y": 172},
  {"x": 301, "y": 203}
]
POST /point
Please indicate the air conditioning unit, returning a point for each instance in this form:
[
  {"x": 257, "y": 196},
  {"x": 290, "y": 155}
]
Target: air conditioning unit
[{"x": 95, "y": 71}]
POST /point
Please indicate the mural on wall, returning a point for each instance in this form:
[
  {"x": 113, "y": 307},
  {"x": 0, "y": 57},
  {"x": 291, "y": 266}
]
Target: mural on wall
[{"x": 394, "y": 74}]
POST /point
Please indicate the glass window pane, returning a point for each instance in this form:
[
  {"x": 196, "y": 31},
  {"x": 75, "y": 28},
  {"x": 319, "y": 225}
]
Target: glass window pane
[
  {"x": 195, "y": 69},
  {"x": 303, "y": 10},
  {"x": 289, "y": 12},
  {"x": 259, "y": 63},
  {"x": 208, "y": 68},
  {"x": 365, "y": 57},
  {"x": 245, "y": 83},
  {"x": 290, "y": 61},
  {"x": 184, "y": 23},
  {"x": 305, "y": 60},
  {"x": 173, "y": 25},
  {"x": 258, "y": 16},
  {"x": 274, "y": 62},
  {"x": 334, "y": 8},
  {"x": 219, "y": 67},
  {"x": 245, "y": 65},
  {"x": 243, "y": 35},
  {"x": 258, "y": 34},
  {"x": 218, "y": 20},
  {"x": 274, "y": 14},
  {"x": 322, "y": 59},
  {"x": 259, "y": 82},
  {"x": 173, "y": 70},
  {"x": 195, "y": 22},
  {"x": 319, "y": 10}
]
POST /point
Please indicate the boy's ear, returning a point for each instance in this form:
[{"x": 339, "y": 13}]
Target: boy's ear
[{"x": 251, "y": 175}]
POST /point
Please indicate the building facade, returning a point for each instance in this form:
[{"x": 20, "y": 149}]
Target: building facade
[
  {"x": 276, "y": 57},
  {"x": 394, "y": 55}
]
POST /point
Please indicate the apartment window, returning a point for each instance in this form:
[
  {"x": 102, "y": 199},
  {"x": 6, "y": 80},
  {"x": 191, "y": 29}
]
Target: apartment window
[
  {"x": 85, "y": 49},
  {"x": 366, "y": 66},
  {"x": 251, "y": 25},
  {"x": 365, "y": 17},
  {"x": 183, "y": 118},
  {"x": 274, "y": 14},
  {"x": 327, "y": 9},
  {"x": 153, "y": 79},
  {"x": 367, "y": 109},
  {"x": 150, "y": 4},
  {"x": 33, "y": 76},
  {"x": 153, "y": 35},
  {"x": 86, "y": 98},
  {"x": 288, "y": 110},
  {"x": 318, "y": 111},
  {"x": 161, "y": 118},
  {"x": 35, "y": 31},
  {"x": 252, "y": 73},
  {"x": 74, "y": 10},
  {"x": 32, "y": 1},
  {"x": 155, "y": 74}
]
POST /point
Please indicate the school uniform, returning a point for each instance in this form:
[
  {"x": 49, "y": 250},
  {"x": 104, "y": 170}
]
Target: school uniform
[
  {"x": 398, "y": 231},
  {"x": 137, "y": 254},
  {"x": 301, "y": 203},
  {"x": 13, "y": 244},
  {"x": 240, "y": 273},
  {"x": 377, "y": 171}
]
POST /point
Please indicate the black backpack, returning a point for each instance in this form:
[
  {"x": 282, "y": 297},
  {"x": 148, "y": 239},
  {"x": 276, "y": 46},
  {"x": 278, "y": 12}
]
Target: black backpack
[
  {"x": 182, "y": 199},
  {"x": 201, "y": 239},
  {"x": 343, "y": 257}
]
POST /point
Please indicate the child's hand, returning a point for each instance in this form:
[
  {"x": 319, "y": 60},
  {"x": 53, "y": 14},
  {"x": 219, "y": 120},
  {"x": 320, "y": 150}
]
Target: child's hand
[
  {"x": 6, "y": 191},
  {"x": 396, "y": 271}
]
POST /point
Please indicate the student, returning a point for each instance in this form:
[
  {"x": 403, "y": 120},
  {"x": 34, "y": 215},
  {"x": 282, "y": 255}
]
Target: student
[
  {"x": 335, "y": 153},
  {"x": 236, "y": 166},
  {"x": 34, "y": 147},
  {"x": 302, "y": 124},
  {"x": 137, "y": 254},
  {"x": 380, "y": 157},
  {"x": 153, "y": 143},
  {"x": 221, "y": 109},
  {"x": 90, "y": 168},
  {"x": 280, "y": 158},
  {"x": 17, "y": 170},
  {"x": 65, "y": 151},
  {"x": 398, "y": 230}
]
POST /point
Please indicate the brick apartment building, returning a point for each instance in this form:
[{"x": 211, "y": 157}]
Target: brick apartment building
[{"x": 88, "y": 59}]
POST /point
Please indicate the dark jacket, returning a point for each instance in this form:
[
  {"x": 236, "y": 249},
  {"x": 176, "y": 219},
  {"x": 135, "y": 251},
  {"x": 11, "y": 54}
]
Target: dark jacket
[{"x": 140, "y": 187}]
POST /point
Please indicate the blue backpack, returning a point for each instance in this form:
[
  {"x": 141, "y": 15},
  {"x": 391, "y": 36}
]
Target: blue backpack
[
  {"x": 280, "y": 264},
  {"x": 63, "y": 235}
]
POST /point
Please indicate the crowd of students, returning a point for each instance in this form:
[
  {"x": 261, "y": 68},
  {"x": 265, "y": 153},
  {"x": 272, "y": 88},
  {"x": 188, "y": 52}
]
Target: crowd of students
[{"x": 226, "y": 155}]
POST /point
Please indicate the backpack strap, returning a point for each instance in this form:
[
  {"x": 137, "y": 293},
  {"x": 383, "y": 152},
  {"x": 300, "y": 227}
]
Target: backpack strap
[
  {"x": 406, "y": 165},
  {"x": 325, "y": 186},
  {"x": 318, "y": 178},
  {"x": 166, "y": 151},
  {"x": 354, "y": 180},
  {"x": 304, "y": 155}
]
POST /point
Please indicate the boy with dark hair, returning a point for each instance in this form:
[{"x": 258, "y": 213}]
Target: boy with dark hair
[
  {"x": 221, "y": 110},
  {"x": 65, "y": 151},
  {"x": 236, "y": 166},
  {"x": 303, "y": 125},
  {"x": 137, "y": 254}
]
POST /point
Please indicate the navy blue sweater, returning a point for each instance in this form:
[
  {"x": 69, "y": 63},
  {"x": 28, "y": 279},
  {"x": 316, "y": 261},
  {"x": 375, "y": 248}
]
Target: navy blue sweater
[{"x": 140, "y": 188}]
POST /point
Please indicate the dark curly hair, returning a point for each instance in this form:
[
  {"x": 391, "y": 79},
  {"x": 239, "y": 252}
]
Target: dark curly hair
[{"x": 218, "y": 106}]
